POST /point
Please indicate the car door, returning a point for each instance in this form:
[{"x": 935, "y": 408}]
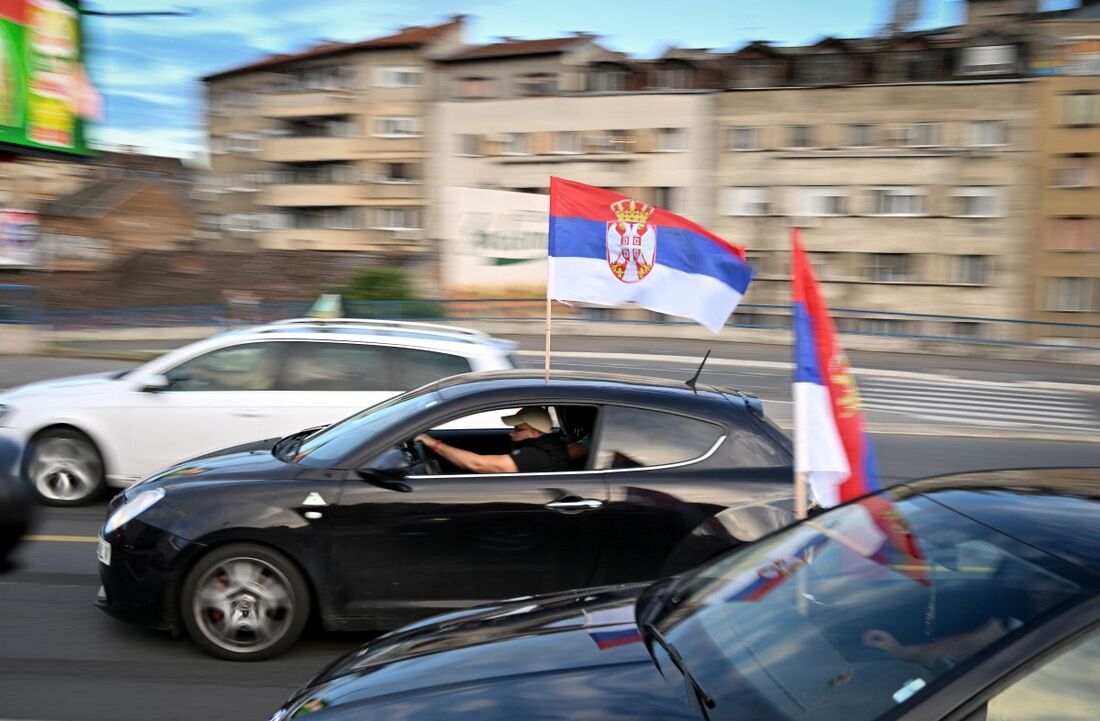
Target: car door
[
  {"x": 215, "y": 400},
  {"x": 447, "y": 541},
  {"x": 650, "y": 458},
  {"x": 326, "y": 381}
]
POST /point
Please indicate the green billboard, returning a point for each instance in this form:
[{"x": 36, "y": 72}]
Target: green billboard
[{"x": 44, "y": 90}]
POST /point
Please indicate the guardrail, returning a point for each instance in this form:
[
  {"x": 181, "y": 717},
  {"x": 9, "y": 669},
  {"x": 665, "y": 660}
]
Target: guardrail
[{"x": 913, "y": 326}]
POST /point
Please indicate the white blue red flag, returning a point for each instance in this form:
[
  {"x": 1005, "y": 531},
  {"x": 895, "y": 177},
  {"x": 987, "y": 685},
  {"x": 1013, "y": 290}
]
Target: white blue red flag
[
  {"x": 608, "y": 249},
  {"x": 830, "y": 444}
]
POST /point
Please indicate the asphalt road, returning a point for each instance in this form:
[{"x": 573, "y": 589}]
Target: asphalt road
[{"x": 63, "y": 660}]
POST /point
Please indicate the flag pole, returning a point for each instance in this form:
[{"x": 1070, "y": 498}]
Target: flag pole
[
  {"x": 800, "y": 500},
  {"x": 546, "y": 366}
]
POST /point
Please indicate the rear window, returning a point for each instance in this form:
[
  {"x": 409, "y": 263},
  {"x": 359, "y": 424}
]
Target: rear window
[{"x": 638, "y": 437}]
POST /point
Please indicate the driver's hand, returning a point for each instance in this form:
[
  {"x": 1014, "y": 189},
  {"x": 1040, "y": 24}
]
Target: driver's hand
[
  {"x": 881, "y": 640},
  {"x": 425, "y": 439}
]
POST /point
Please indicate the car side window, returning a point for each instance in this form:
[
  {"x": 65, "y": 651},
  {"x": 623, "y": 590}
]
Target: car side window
[
  {"x": 413, "y": 368},
  {"x": 635, "y": 437},
  {"x": 339, "y": 367},
  {"x": 246, "y": 367},
  {"x": 1064, "y": 687}
]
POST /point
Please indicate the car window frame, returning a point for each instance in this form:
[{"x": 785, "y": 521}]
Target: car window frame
[
  {"x": 958, "y": 701},
  {"x": 722, "y": 425},
  {"x": 469, "y": 363},
  {"x": 281, "y": 344}
]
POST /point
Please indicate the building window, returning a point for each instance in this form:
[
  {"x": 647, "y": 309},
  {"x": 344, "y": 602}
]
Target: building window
[
  {"x": 1081, "y": 109},
  {"x": 746, "y": 201},
  {"x": 1074, "y": 171},
  {"x": 801, "y": 136},
  {"x": 921, "y": 135},
  {"x": 329, "y": 218},
  {"x": 830, "y": 69},
  {"x": 1070, "y": 294},
  {"x": 1069, "y": 235},
  {"x": 397, "y": 218},
  {"x": 899, "y": 201},
  {"x": 988, "y": 60},
  {"x": 674, "y": 76},
  {"x": 888, "y": 267},
  {"x": 245, "y": 143},
  {"x": 607, "y": 80},
  {"x": 976, "y": 202},
  {"x": 820, "y": 201},
  {"x": 988, "y": 132},
  {"x": 537, "y": 84},
  {"x": 515, "y": 144},
  {"x": 742, "y": 139},
  {"x": 469, "y": 144},
  {"x": 668, "y": 198},
  {"x": 755, "y": 73},
  {"x": 971, "y": 269},
  {"x": 671, "y": 139},
  {"x": 567, "y": 143},
  {"x": 474, "y": 88},
  {"x": 400, "y": 173},
  {"x": 968, "y": 329},
  {"x": 397, "y": 127},
  {"x": 400, "y": 76},
  {"x": 860, "y": 136},
  {"x": 882, "y": 326}
]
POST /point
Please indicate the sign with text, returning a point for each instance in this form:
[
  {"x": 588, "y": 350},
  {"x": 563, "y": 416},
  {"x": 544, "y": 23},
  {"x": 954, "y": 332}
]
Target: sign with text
[
  {"x": 43, "y": 85},
  {"x": 494, "y": 241},
  {"x": 18, "y": 239}
]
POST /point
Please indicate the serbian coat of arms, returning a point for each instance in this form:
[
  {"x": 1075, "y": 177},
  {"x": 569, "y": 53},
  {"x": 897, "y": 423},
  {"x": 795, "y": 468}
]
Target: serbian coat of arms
[{"x": 631, "y": 241}]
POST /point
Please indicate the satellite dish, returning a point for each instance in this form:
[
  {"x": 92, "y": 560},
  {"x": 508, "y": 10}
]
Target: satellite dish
[{"x": 906, "y": 12}]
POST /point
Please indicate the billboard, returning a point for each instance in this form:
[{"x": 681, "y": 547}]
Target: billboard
[
  {"x": 18, "y": 239},
  {"x": 43, "y": 86},
  {"x": 494, "y": 241}
]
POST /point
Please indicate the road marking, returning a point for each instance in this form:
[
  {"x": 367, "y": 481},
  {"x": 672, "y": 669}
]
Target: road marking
[{"x": 61, "y": 539}]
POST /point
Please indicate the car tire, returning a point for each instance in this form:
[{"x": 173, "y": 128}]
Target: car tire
[
  {"x": 244, "y": 602},
  {"x": 64, "y": 468}
]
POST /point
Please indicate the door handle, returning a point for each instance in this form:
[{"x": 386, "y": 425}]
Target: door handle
[{"x": 577, "y": 506}]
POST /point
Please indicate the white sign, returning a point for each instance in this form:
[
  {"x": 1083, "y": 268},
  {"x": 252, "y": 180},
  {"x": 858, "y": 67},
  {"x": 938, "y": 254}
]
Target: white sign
[
  {"x": 18, "y": 238},
  {"x": 494, "y": 240}
]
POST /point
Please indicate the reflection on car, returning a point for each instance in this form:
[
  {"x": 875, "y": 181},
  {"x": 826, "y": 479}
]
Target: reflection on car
[
  {"x": 364, "y": 527},
  {"x": 974, "y": 596}
]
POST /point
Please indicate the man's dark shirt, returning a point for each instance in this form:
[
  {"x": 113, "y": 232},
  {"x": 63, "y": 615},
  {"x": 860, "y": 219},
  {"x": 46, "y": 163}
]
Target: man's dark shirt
[{"x": 545, "y": 454}]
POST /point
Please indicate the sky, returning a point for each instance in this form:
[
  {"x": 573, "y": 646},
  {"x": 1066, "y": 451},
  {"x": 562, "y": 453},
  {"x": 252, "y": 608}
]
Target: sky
[{"x": 148, "y": 69}]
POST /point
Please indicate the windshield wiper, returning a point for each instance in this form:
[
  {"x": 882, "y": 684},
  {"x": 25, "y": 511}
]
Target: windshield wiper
[{"x": 704, "y": 698}]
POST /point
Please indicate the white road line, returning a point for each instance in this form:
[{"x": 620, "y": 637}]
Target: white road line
[
  {"x": 959, "y": 385},
  {"x": 971, "y": 413},
  {"x": 1025, "y": 409}
]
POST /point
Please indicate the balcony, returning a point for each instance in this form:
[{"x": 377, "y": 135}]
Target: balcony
[
  {"x": 392, "y": 191},
  {"x": 310, "y": 194},
  {"x": 304, "y": 105},
  {"x": 309, "y": 150},
  {"x": 375, "y": 241}
]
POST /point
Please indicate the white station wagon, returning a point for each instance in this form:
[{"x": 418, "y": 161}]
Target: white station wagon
[{"x": 84, "y": 433}]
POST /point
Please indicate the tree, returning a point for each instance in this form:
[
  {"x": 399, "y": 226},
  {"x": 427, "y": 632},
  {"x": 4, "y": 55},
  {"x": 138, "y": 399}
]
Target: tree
[{"x": 378, "y": 284}]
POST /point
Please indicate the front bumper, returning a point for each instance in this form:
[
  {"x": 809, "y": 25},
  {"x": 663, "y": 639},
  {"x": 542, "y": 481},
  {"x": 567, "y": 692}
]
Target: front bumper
[{"x": 142, "y": 583}]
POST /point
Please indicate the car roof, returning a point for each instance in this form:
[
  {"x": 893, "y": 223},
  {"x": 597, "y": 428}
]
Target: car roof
[
  {"x": 1054, "y": 509},
  {"x": 581, "y": 385},
  {"x": 403, "y": 333}
]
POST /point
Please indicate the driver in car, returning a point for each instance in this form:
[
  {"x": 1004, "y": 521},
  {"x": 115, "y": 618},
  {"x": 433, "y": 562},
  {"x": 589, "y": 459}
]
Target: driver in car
[{"x": 535, "y": 447}]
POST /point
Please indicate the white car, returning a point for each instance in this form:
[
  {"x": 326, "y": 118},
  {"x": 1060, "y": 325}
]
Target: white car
[{"x": 83, "y": 433}]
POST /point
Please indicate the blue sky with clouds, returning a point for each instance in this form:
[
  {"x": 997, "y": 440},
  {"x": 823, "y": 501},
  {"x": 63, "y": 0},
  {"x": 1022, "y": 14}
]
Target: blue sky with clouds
[{"x": 148, "y": 69}]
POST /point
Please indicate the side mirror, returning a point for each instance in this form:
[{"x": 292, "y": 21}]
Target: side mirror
[
  {"x": 387, "y": 470},
  {"x": 154, "y": 384}
]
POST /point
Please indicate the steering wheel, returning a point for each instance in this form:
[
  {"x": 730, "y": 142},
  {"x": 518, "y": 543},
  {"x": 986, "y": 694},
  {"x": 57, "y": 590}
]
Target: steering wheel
[{"x": 419, "y": 454}]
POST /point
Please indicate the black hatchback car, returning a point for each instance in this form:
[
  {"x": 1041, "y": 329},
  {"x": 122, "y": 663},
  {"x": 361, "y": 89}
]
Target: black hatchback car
[
  {"x": 236, "y": 548},
  {"x": 966, "y": 598}
]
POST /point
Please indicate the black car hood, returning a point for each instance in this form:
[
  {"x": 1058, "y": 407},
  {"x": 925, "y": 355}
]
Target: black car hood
[
  {"x": 256, "y": 463},
  {"x": 570, "y": 655}
]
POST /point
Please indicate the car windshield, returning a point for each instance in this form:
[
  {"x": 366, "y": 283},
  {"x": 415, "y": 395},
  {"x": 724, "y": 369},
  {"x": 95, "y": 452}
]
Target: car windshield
[
  {"x": 337, "y": 441},
  {"x": 856, "y": 611}
]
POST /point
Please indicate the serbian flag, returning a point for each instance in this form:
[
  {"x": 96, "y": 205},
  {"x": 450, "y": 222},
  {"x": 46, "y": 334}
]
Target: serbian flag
[
  {"x": 609, "y": 249},
  {"x": 830, "y": 445}
]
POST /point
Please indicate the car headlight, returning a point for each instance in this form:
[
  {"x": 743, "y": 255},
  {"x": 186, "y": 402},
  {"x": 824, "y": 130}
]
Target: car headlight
[{"x": 133, "y": 508}]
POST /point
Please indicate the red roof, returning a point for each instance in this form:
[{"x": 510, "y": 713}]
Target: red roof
[
  {"x": 408, "y": 38},
  {"x": 510, "y": 48}
]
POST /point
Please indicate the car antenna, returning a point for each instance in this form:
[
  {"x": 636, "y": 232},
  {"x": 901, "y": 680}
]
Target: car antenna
[{"x": 695, "y": 378}]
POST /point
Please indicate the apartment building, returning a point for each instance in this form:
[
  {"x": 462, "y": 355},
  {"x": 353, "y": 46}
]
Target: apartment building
[
  {"x": 1065, "y": 282},
  {"x": 325, "y": 149}
]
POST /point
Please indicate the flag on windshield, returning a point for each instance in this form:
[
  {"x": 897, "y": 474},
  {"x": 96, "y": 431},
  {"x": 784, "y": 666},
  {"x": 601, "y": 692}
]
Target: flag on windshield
[
  {"x": 830, "y": 444},
  {"x": 609, "y": 249}
]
